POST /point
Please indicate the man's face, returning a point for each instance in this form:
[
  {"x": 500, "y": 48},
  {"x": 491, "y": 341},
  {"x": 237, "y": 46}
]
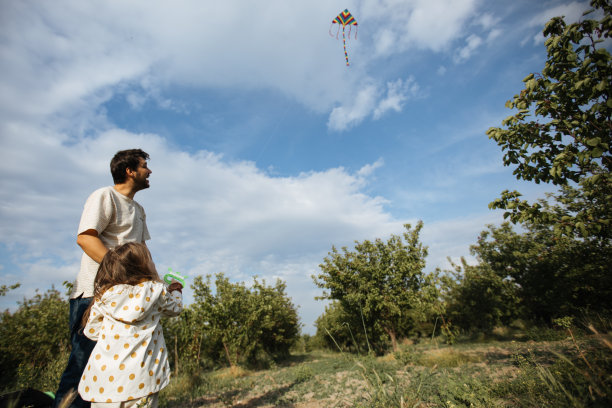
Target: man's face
[{"x": 141, "y": 175}]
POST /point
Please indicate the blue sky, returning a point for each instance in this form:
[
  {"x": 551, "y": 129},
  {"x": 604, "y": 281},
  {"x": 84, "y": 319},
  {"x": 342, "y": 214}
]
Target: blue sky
[{"x": 266, "y": 149}]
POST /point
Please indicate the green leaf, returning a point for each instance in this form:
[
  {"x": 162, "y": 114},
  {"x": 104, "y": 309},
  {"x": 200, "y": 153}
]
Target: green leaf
[{"x": 593, "y": 141}]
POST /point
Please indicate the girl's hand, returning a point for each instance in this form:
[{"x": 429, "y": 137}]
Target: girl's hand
[{"x": 175, "y": 285}]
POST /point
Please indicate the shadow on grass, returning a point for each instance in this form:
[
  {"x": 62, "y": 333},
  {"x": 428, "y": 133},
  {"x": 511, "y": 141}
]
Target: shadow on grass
[
  {"x": 294, "y": 359},
  {"x": 272, "y": 397}
]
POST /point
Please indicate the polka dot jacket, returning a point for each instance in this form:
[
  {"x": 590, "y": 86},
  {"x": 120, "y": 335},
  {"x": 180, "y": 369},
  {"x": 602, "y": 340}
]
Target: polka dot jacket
[{"x": 130, "y": 359}]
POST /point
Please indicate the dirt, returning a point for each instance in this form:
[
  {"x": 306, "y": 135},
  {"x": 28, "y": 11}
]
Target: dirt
[{"x": 277, "y": 388}]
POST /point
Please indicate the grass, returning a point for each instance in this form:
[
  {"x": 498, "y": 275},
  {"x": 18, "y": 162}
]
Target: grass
[{"x": 560, "y": 373}]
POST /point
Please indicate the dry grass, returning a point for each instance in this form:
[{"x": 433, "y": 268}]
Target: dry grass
[{"x": 427, "y": 375}]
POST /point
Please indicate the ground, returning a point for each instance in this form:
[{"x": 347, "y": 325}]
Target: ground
[{"x": 426, "y": 375}]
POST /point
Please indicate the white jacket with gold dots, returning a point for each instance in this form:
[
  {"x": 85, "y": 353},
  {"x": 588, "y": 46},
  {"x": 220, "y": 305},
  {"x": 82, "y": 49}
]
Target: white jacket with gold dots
[{"x": 130, "y": 359}]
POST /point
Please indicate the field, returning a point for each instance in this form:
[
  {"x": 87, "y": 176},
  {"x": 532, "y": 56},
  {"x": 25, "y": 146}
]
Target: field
[{"x": 492, "y": 374}]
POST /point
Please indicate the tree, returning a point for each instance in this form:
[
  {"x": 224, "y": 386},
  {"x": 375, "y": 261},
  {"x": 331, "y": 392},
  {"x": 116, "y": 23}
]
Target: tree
[
  {"x": 479, "y": 299},
  {"x": 382, "y": 282},
  {"x": 555, "y": 276},
  {"x": 34, "y": 341},
  {"x": 245, "y": 326},
  {"x": 568, "y": 142},
  {"x": 186, "y": 338},
  {"x": 338, "y": 329},
  {"x": 278, "y": 327}
]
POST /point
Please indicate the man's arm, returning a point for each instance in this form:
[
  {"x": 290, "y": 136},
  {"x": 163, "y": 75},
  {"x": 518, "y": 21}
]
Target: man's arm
[{"x": 92, "y": 245}]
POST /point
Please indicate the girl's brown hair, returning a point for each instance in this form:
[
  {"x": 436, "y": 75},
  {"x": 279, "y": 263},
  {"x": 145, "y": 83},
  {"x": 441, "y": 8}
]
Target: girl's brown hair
[{"x": 128, "y": 264}]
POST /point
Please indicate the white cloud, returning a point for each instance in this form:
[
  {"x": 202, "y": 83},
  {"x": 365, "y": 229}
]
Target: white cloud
[
  {"x": 453, "y": 237},
  {"x": 372, "y": 100},
  {"x": 472, "y": 43},
  {"x": 571, "y": 11},
  {"x": 346, "y": 116},
  {"x": 397, "y": 93},
  {"x": 487, "y": 21},
  {"x": 493, "y": 35},
  {"x": 369, "y": 169},
  {"x": 423, "y": 24}
]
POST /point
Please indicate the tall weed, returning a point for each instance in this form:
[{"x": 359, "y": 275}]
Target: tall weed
[{"x": 579, "y": 378}]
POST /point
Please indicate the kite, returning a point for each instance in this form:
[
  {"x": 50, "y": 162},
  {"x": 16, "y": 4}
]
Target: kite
[{"x": 345, "y": 18}]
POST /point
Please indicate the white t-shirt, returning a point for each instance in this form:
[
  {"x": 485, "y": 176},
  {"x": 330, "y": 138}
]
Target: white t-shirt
[
  {"x": 130, "y": 359},
  {"x": 118, "y": 220}
]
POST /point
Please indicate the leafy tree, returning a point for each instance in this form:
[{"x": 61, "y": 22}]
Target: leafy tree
[
  {"x": 479, "y": 299},
  {"x": 568, "y": 140},
  {"x": 185, "y": 337},
  {"x": 278, "y": 327},
  {"x": 245, "y": 326},
  {"x": 554, "y": 275},
  {"x": 34, "y": 339},
  {"x": 338, "y": 329},
  {"x": 383, "y": 283}
]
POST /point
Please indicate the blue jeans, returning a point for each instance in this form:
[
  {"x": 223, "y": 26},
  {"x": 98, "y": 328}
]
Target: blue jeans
[{"x": 79, "y": 355}]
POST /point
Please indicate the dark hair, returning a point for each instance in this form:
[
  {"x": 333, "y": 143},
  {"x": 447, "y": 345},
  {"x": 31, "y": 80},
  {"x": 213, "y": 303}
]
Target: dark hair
[
  {"x": 123, "y": 160},
  {"x": 126, "y": 264}
]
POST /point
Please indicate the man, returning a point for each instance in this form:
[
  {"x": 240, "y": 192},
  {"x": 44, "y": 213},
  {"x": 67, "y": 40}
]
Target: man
[{"x": 110, "y": 218}]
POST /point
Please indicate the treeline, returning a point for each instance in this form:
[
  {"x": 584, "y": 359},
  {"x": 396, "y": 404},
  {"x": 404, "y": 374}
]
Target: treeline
[
  {"x": 228, "y": 324},
  {"x": 380, "y": 292}
]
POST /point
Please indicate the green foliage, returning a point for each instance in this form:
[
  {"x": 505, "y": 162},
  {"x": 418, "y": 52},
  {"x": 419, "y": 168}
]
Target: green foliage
[
  {"x": 5, "y": 289},
  {"x": 338, "y": 329},
  {"x": 244, "y": 326},
  {"x": 34, "y": 342},
  {"x": 568, "y": 142},
  {"x": 553, "y": 276},
  {"x": 383, "y": 284},
  {"x": 186, "y": 342},
  {"x": 478, "y": 299},
  {"x": 427, "y": 387},
  {"x": 576, "y": 380}
]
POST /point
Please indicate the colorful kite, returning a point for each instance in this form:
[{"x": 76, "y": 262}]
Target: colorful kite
[{"x": 345, "y": 19}]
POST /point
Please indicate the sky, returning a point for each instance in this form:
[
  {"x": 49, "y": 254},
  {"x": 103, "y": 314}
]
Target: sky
[{"x": 266, "y": 148}]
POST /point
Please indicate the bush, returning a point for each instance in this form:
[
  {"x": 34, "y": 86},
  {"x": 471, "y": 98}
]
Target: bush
[
  {"x": 34, "y": 342},
  {"x": 235, "y": 325}
]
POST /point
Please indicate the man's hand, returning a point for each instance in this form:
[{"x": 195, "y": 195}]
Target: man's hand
[{"x": 91, "y": 245}]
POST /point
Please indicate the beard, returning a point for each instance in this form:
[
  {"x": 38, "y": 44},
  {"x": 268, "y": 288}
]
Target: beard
[{"x": 142, "y": 184}]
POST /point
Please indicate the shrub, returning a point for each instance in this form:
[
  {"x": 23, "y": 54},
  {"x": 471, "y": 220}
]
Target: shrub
[{"x": 34, "y": 342}]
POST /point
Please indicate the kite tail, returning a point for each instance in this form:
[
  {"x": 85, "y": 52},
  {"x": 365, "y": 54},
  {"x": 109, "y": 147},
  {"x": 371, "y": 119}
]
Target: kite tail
[
  {"x": 344, "y": 45},
  {"x": 356, "y": 31},
  {"x": 330, "y": 26}
]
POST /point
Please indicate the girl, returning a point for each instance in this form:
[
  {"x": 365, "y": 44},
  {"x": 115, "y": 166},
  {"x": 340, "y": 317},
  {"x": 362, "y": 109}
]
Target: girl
[{"x": 129, "y": 364}]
